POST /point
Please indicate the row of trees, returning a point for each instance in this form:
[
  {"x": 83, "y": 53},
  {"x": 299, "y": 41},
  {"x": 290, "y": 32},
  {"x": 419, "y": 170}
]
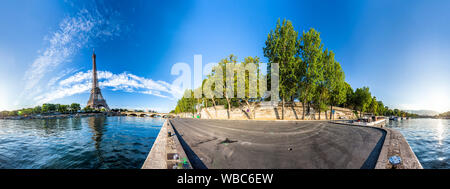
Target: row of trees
[
  {"x": 362, "y": 101},
  {"x": 308, "y": 73},
  {"x": 445, "y": 115},
  {"x": 45, "y": 108},
  {"x": 58, "y": 108}
]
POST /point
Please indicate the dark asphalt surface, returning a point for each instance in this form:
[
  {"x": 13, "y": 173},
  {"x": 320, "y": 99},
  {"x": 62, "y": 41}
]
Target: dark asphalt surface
[{"x": 243, "y": 144}]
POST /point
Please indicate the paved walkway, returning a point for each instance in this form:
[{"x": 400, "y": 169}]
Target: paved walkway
[{"x": 222, "y": 144}]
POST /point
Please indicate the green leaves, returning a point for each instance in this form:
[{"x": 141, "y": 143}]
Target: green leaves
[
  {"x": 310, "y": 70},
  {"x": 362, "y": 99},
  {"x": 307, "y": 72},
  {"x": 186, "y": 104},
  {"x": 282, "y": 48},
  {"x": 75, "y": 107}
]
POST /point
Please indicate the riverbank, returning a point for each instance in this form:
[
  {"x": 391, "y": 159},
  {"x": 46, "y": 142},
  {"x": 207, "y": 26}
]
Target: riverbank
[
  {"x": 394, "y": 144},
  {"x": 167, "y": 151},
  {"x": 250, "y": 144},
  {"x": 225, "y": 144},
  {"x": 266, "y": 111},
  {"x": 429, "y": 138},
  {"x": 59, "y": 116}
]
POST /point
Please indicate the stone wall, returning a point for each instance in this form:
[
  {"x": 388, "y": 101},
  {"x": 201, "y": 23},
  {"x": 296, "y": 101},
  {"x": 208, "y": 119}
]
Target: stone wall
[{"x": 266, "y": 112}]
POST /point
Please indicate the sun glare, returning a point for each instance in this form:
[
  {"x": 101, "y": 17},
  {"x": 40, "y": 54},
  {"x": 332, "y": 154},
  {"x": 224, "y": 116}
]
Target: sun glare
[{"x": 440, "y": 132}]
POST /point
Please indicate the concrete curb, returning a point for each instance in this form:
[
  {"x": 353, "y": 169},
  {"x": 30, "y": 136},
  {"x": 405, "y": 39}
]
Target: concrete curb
[
  {"x": 179, "y": 148},
  {"x": 156, "y": 158},
  {"x": 164, "y": 147},
  {"x": 410, "y": 160}
]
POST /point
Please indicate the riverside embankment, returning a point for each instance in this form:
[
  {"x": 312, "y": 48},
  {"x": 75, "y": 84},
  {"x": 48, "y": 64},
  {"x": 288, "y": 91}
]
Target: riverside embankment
[
  {"x": 225, "y": 144},
  {"x": 266, "y": 111},
  {"x": 61, "y": 116},
  {"x": 394, "y": 144},
  {"x": 167, "y": 151}
]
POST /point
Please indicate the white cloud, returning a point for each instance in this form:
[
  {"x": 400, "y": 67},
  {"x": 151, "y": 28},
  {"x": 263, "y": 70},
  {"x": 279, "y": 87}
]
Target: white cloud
[
  {"x": 81, "y": 82},
  {"x": 73, "y": 33},
  {"x": 156, "y": 93},
  {"x": 44, "y": 80}
]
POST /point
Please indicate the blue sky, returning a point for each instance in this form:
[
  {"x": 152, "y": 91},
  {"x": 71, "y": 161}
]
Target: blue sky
[{"x": 400, "y": 49}]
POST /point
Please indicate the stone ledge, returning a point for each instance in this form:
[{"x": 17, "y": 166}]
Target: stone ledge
[
  {"x": 394, "y": 144},
  {"x": 163, "y": 150},
  {"x": 156, "y": 159}
]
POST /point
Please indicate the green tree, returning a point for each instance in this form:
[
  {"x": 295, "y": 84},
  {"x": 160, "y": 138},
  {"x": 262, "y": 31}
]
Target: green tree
[
  {"x": 37, "y": 110},
  {"x": 396, "y": 112},
  {"x": 13, "y": 113},
  {"x": 186, "y": 103},
  {"x": 88, "y": 109},
  {"x": 381, "y": 108},
  {"x": 28, "y": 111},
  {"x": 47, "y": 108},
  {"x": 63, "y": 108},
  {"x": 362, "y": 99},
  {"x": 229, "y": 79},
  {"x": 251, "y": 82},
  {"x": 349, "y": 93},
  {"x": 318, "y": 100},
  {"x": 308, "y": 73},
  {"x": 333, "y": 79},
  {"x": 282, "y": 47},
  {"x": 211, "y": 81},
  {"x": 75, "y": 107},
  {"x": 373, "y": 107}
]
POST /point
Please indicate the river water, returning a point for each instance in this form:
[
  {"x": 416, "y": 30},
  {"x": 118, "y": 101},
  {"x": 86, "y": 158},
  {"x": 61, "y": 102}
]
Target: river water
[
  {"x": 124, "y": 142},
  {"x": 429, "y": 139},
  {"x": 77, "y": 143}
]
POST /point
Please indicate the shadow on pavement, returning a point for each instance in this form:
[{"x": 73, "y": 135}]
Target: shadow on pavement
[
  {"x": 196, "y": 162},
  {"x": 371, "y": 161}
]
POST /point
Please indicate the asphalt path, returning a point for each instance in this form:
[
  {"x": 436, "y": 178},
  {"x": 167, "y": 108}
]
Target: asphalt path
[{"x": 244, "y": 144}]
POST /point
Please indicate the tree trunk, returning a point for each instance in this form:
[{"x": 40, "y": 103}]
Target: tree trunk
[
  {"x": 303, "y": 112},
  {"x": 293, "y": 108},
  {"x": 319, "y": 113},
  {"x": 206, "y": 107},
  {"x": 214, "y": 105},
  {"x": 331, "y": 112},
  {"x": 254, "y": 112},
  {"x": 309, "y": 108},
  {"x": 250, "y": 110},
  {"x": 200, "y": 108},
  {"x": 229, "y": 107},
  {"x": 282, "y": 110}
]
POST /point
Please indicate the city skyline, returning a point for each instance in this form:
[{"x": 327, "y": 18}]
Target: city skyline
[{"x": 399, "y": 51}]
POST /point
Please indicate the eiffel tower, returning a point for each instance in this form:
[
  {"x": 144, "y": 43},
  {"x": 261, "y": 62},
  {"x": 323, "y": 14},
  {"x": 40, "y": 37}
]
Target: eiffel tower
[{"x": 96, "y": 101}]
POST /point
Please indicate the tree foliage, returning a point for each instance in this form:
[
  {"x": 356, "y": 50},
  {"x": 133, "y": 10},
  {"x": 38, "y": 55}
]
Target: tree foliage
[{"x": 307, "y": 73}]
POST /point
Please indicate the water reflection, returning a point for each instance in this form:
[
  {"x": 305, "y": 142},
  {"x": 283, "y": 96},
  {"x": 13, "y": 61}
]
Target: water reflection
[
  {"x": 97, "y": 126},
  {"x": 440, "y": 131},
  {"x": 90, "y": 142},
  {"x": 429, "y": 139}
]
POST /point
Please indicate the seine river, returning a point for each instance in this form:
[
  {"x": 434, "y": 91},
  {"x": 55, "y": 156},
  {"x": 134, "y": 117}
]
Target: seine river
[
  {"x": 124, "y": 142},
  {"x": 77, "y": 143},
  {"x": 429, "y": 139}
]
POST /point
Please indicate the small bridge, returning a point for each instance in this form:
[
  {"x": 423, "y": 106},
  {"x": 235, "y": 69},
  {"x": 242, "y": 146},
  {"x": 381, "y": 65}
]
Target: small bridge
[{"x": 146, "y": 114}]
